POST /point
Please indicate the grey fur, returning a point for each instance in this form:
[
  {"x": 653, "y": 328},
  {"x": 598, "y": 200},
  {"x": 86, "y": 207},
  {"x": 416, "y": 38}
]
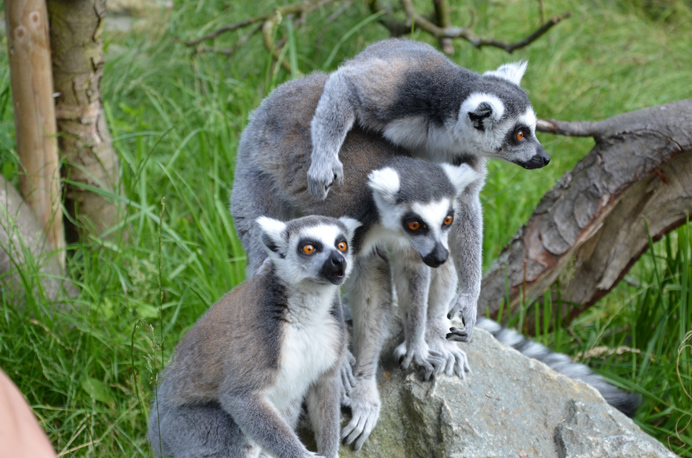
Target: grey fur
[
  {"x": 273, "y": 157},
  {"x": 627, "y": 403},
  {"x": 418, "y": 99},
  {"x": 235, "y": 386}
]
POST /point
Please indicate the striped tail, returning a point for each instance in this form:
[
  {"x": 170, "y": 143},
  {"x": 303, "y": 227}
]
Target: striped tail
[{"x": 627, "y": 403}]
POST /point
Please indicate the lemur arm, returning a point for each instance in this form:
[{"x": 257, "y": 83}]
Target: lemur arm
[
  {"x": 324, "y": 409},
  {"x": 334, "y": 117},
  {"x": 261, "y": 422},
  {"x": 466, "y": 246}
]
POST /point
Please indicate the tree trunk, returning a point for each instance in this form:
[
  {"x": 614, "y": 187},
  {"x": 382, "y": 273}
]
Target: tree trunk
[
  {"x": 591, "y": 228},
  {"x": 34, "y": 114},
  {"x": 85, "y": 142},
  {"x": 24, "y": 262}
]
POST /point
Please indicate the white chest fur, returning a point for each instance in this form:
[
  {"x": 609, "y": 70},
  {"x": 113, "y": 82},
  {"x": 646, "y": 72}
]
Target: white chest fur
[{"x": 309, "y": 347}]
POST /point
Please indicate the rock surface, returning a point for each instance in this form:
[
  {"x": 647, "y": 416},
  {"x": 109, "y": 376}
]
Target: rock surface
[{"x": 509, "y": 406}]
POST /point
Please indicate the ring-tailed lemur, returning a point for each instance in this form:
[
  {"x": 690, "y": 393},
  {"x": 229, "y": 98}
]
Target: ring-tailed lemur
[
  {"x": 238, "y": 378},
  {"x": 407, "y": 202},
  {"x": 418, "y": 99},
  {"x": 626, "y": 403}
]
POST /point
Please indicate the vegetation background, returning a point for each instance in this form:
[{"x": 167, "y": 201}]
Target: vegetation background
[{"x": 176, "y": 118}]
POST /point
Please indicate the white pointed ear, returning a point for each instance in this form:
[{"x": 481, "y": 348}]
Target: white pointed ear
[
  {"x": 272, "y": 231},
  {"x": 512, "y": 72},
  {"x": 482, "y": 110},
  {"x": 351, "y": 224},
  {"x": 461, "y": 176},
  {"x": 385, "y": 183}
]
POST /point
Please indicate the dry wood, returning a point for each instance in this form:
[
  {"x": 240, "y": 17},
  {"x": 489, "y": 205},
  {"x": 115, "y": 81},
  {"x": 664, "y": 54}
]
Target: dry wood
[
  {"x": 25, "y": 261},
  {"x": 85, "y": 142},
  {"x": 590, "y": 229},
  {"x": 34, "y": 114},
  {"x": 443, "y": 16},
  {"x": 420, "y": 21}
]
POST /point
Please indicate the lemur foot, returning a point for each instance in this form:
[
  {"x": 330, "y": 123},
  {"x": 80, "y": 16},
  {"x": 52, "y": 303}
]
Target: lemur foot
[
  {"x": 431, "y": 361},
  {"x": 365, "y": 408},
  {"x": 456, "y": 361},
  {"x": 466, "y": 309},
  {"x": 321, "y": 176},
  {"x": 348, "y": 380}
]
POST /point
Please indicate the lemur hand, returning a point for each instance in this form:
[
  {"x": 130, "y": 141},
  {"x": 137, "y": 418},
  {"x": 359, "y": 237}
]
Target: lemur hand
[
  {"x": 466, "y": 309},
  {"x": 322, "y": 175},
  {"x": 365, "y": 408}
]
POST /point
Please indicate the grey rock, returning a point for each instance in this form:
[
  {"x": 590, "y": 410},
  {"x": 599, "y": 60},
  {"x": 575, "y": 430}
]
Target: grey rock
[{"x": 508, "y": 406}]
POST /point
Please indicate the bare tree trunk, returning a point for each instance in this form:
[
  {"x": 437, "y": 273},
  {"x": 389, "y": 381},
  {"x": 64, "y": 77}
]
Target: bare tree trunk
[
  {"x": 24, "y": 262},
  {"x": 591, "y": 228},
  {"x": 34, "y": 114},
  {"x": 85, "y": 142}
]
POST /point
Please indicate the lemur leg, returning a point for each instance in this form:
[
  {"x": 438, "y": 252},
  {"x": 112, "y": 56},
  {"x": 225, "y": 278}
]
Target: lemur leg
[
  {"x": 466, "y": 247},
  {"x": 264, "y": 425},
  {"x": 334, "y": 117},
  {"x": 443, "y": 285},
  {"x": 194, "y": 431},
  {"x": 412, "y": 282},
  {"x": 324, "y": 409},
  {"x": 370, "y": 297}
]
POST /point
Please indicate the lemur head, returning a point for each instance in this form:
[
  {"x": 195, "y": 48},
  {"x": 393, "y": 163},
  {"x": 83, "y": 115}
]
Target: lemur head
[
  {"x": 313, "y": 248},
  {"x": 496, "y": 120},
  {"x": 418, "y": 213}
]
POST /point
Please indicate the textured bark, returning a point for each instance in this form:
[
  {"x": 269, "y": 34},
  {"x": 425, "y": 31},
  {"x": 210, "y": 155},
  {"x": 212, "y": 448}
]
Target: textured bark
[
  {"x": 34, "y": 113},
  {"x": 591, "y": 228},
  {"x": 85, "y": 142},
  {"x": 25, "y": 258}
]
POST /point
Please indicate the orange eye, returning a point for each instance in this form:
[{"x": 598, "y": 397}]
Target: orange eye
[
  {"x": 448, "y": 220},
  {"x": 342, "y": 246},
  {"x": 308, "y": 249},
  {"x": 414, "y": 225},
  {"x": 520, "y": 135}
]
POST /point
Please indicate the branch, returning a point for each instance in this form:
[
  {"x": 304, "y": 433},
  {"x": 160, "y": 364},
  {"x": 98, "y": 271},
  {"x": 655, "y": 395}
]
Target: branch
[
  {"x": 467, "y": 34},
  {"x": 276, "y": 14},
  {"x": 595, "y": 223}
]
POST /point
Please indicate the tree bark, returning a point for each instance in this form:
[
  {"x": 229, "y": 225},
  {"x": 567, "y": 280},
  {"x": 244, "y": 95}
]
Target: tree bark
[
  {"x": 34, "y": 114},
  {"x": 85, "y": 142},
  {"x": 25, "y": 264},
  {"x": 590, "y": 229}
]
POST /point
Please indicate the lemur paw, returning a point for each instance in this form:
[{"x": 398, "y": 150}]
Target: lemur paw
[
  {"x": 456, "y": 361},
  {"x": 322, "y": 175},
  {"x": 348, "y": 380},
  {"x": 365, "y": 409},
  {"x": 466, "y": 309},
  {"x": 430, "y": 361}
]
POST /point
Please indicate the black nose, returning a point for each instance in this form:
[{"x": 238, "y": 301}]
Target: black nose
[
  {"x": 539, "y": 160},
  {"x": 334, "y": 268},
  {"x": 437, "y": 256}
]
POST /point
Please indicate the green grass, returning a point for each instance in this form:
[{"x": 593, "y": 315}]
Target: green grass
[{"x": 176, "y": 119}]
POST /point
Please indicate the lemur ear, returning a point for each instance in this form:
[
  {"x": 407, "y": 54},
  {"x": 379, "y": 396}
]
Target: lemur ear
[
  {"x": 512, "y": 72},
  {"x": 351, "y": 224},
  {"x": 461, "y": 176},
  {"x": 272, "y": 233},
  {"x": 385, "y": 184},
  {"x": 482, "y": 110}
]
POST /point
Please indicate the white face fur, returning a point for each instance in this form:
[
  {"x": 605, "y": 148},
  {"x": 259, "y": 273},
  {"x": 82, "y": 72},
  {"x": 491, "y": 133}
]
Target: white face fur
[
  {"x": 318, "y": 252},
  {"x": 423, "y": 226}
]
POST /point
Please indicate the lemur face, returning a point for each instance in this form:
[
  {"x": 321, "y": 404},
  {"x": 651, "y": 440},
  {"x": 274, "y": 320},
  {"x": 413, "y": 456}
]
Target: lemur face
[
  {"x": 420, "y": 212},
  {"x": 313, "y": 248},
  {"x": 498, "y": 121}
]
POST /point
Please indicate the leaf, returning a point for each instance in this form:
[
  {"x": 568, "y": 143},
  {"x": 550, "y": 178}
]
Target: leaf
[{"x": 97, "y": 390}]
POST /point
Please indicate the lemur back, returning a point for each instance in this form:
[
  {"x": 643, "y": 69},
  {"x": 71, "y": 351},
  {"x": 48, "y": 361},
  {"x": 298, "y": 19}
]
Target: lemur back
[{"x": 236, "y": 383}]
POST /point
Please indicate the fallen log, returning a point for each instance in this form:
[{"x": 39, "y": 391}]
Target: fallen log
[{"x": 594, "y": 224}]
